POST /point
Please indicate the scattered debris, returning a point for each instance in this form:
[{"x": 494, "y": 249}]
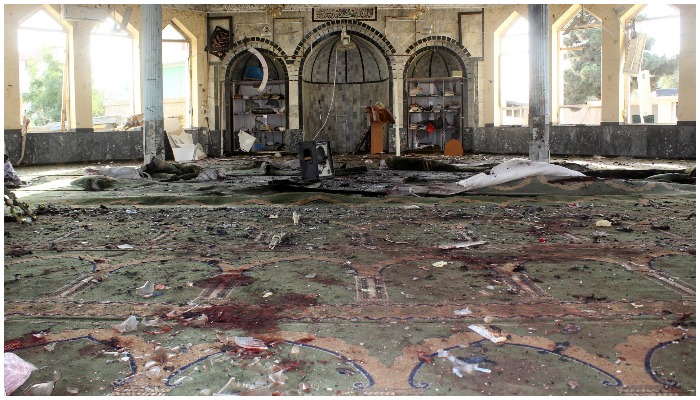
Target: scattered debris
[
  {"x": 570, "y": 328},
  {"x": 128, "y": 325},
  {"x": 276, "y": 239},
  {"x": 459, "y": 366},
  {"x": 24, "y": 216},
  {"x": 461, "y": 245},
  {"x": 491, "y": 335},
  {"x": 573, "y": 384},
  {"x": 419, "y": 164},
  {"x": 125, "y": 247},
  {"x": 116, "y": 172},
  {"x": 295, "y": 217},
  {"x": 603, "y": 223},
  {"x": 250, "y": 343},
  {"x": 310, "y": 276},
  {"x": 17, "y": 372},
  {"x": 439, "y": 264},
  {"x": 516, "y": 169},
  {"x": 463, "y": 311},
  {"x": 246, "y": 140},
  {"x": 267, "y": 294},
  {"x": 42, "y": 389},
  {"x": 210, "y": 174},
  {"x": 146, "y": 290},
  {"x": 488, "y": 319}
]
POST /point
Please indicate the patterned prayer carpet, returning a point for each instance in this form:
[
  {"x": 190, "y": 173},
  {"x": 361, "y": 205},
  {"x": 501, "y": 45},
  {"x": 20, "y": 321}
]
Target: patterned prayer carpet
[{"x": 588, "y": 287}]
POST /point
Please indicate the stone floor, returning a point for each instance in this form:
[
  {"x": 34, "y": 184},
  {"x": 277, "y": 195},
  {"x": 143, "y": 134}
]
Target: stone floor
[{"x": 376, "y": 281}]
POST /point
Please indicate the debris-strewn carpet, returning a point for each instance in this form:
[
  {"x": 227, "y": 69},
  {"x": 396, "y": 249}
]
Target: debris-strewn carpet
[{"x": 587, "y": 288}]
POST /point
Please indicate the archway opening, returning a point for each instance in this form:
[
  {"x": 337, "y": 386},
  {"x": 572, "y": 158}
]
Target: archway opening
[
  {"x": 343, "y": 74},
  {"x": 258, "y": 91},
  {"x": 42, "y": 83},
  {"x": 435, "y": 98}
]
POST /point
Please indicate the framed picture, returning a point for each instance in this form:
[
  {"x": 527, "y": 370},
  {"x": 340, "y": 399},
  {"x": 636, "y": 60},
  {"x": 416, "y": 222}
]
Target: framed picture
[
  {"x": 334, "y": 13},
  {"x": 220, "y": 36}
]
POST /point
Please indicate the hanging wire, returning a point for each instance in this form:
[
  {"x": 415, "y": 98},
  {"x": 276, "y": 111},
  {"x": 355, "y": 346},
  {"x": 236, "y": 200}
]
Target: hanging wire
[{"x": 335, "y": 75}]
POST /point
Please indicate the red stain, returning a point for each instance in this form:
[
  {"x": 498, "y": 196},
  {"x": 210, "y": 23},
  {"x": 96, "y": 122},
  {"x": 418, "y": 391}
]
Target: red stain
[
  {"x": 257, "y": 318},
  {"x": 225, "y": 280},
  {"x": 26, "y": 340}
]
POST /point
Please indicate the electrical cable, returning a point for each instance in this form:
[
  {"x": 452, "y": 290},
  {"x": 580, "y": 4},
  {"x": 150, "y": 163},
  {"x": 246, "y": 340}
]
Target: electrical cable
[{"x": 335, "y": 75}]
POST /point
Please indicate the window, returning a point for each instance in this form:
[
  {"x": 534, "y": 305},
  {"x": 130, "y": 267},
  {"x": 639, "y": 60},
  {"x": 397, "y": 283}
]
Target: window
[
  {"x": 653, "y": 96},
  {"x": 514, "y": 70},
  {"x": 42, "y": 58},
  {"x": 580, "y": 69},
  {"x": 176, "y": 76},
  {"x": 112, "y": 75}
]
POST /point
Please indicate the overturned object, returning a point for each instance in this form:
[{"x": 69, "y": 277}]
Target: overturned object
[
  {"x": 516, "y": 168},
  {"x": 316, "y": 159}
]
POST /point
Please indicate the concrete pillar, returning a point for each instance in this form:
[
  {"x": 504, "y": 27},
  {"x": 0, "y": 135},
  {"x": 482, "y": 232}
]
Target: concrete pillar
[
  {"x": 612, "y": 59},
  {"x": 80, "y": 72},
  {"x": 152, "y": 80},
  {"x": 398, "y": 112},
  {"x": 538, "y": 18},
  {"x": 687, "y": 70},
  {"x": 13, "y": 107},
  {"x": 293, "y": 102}
]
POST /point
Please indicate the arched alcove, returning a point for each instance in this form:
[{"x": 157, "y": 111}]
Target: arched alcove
[
  {"x": 259, "y": 110},
  {"x": 342, "y": 74},
  {"x": 436, "y": 97}
]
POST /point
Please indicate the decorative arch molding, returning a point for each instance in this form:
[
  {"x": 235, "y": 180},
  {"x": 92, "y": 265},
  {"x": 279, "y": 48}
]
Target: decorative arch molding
[
  {"x": 331, "y": 28},
  {"x": 442, "y": 42},
  {"x": 268, "y": 46}
]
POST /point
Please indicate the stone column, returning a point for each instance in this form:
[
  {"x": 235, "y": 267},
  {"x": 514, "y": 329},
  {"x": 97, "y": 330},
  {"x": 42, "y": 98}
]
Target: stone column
[
  {"x": 612, "y": 58},
  {"x": 687, "y": 70},
  {"x": 397, "y": 100},
  {"x": 80, "y": 77},
  {"x": 152, "y": 81},
  {"x": 538, "y": 18},
  {"x": 13, "y": 110},
  {"x": 293, "y": 102}
]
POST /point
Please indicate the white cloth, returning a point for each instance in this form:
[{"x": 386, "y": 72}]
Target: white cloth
[{"x": 516, "y": 168}]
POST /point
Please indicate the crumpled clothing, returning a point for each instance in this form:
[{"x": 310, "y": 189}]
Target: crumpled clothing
[{"x": 10, "y": 174}]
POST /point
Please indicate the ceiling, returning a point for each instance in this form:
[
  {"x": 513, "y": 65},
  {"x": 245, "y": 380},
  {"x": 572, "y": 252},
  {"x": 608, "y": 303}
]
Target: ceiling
[{"x": 226, "y": 8}]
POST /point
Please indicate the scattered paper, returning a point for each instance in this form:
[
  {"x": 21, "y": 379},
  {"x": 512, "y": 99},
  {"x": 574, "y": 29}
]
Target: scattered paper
[
  {"x": 439, "y": 264},
  {"x": 483, "y": 331}
]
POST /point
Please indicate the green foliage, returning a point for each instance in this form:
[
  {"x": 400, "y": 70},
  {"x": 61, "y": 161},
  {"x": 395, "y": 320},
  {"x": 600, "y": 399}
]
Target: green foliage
[
  {"x": 582, "y": 82},
  {"x": 98, "y": 102},
  {"x": 45, "y": 88},
  {"x": 663, "y": 70}
]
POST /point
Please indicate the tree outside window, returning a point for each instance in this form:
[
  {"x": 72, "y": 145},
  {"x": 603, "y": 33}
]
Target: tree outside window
[{"x": 42, "y": 54}]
